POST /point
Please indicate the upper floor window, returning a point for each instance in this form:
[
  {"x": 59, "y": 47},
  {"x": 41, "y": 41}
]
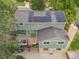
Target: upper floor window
[
  {"x": 21, "y": 23},
  {"x": 58, "y": 49},
  {"x": 23, "y": 41},
  {"x": 45, "y": 49},
  {"x": 21, "y": 32},
  {"x": 60, "y": 42}
]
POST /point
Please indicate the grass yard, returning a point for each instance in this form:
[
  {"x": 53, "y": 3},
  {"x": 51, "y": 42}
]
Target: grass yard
[
  {"x": 75, "y": 44},
  {"x": 21, "y": 3}
]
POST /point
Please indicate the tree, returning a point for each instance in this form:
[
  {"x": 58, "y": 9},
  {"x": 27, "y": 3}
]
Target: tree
[
  {"x": 68, "y": 6},
  {"x": 7, "y": 19},
  {"x": 7, "y": 49},
  {"x": 77, "y": 2},
  {"x": 37, "y": 4}
]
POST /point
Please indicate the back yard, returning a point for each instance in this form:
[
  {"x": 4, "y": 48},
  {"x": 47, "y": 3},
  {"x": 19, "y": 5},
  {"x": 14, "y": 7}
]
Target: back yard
[{"x": 75, "y": 43}]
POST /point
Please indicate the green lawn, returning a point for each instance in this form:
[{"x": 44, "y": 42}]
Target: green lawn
[
  {"x": 21, "y": 3},
  {"x": 75, "y": 43}
]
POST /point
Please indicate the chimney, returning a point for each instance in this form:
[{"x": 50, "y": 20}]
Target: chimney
[{"x": 71, "y": 33}]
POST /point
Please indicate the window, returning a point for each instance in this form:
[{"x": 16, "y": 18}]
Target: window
[
  {"x": 21, "y": 23},
  {"x": 58, "y": 49},
  {"x": 60, "y": 42},
  {"x": 24, "y": 41},
  {"x": 21, "y": 32},
  {"x": 46, "y": 42},
  {"x": 45, "y": 49}
]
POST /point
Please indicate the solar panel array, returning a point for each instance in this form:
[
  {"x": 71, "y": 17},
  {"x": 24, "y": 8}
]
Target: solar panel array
[
  {"x": 59, "y": 17},
  {"x": 40, "y": 16}
]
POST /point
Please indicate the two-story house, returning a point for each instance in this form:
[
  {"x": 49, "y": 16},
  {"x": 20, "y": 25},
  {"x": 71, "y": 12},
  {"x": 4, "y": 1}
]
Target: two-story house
[{"x": 45, "y": 28}]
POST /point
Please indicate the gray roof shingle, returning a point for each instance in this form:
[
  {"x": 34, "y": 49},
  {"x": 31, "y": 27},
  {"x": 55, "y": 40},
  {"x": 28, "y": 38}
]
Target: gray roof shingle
[
  {"x": 50, "y": 33},
  {"x": 22, "y": 15}
]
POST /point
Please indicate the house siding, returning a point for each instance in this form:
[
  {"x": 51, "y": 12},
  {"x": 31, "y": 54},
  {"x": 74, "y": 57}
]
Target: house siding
[
  {"x": 37, "y": 26},
  {"x": 53, "y": 44}
]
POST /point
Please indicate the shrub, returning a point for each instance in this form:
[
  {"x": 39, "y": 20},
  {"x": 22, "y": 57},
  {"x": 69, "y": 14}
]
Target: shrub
[{"x": 7, "y": 49}]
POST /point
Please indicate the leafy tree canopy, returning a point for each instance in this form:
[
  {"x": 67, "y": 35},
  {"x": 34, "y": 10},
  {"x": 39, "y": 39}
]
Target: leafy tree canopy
[
  {"x": 7, "y": 19},
  {"x": 7, "y": 49},
  {"x": 37, "y": 4},
  {"x": 68, "y": 6},
  {"x": 7, "y": 10}
]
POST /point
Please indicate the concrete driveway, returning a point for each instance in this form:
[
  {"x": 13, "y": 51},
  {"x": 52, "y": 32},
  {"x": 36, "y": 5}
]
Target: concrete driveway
[{"x": 36, "y": 55}]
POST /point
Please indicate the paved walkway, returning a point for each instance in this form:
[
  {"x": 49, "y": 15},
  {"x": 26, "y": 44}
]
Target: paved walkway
[
  {"x": 27, "y": 5},
  {"x": 36, "y": 55}
]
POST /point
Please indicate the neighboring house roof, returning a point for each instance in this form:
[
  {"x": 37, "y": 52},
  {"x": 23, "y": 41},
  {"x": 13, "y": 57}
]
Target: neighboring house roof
[
  {"x": 73, "y": 54},
  {"x": 51, "y": 33},
  {"x": 24, "y": 15}
]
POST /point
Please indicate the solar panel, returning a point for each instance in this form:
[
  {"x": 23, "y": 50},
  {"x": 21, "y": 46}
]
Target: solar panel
[
  {"x": 61, "y": 19},
  {"x": 59, "y": 13},
  {"x": 60, "y": 16},
  {"x": 40, "y": 19},
  {"x": 36, "y": 16}
]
